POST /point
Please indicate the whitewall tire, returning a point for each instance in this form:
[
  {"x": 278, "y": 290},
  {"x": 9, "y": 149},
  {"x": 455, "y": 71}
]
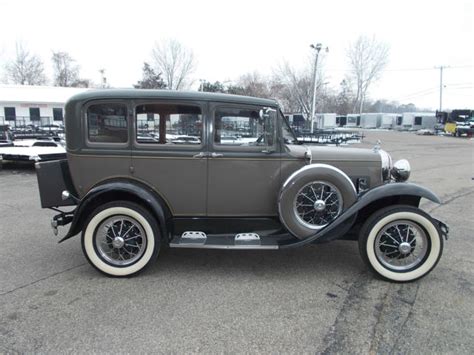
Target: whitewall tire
[
  {"x": 400, "y": 243},
  {"x": 121, "y": 238}
]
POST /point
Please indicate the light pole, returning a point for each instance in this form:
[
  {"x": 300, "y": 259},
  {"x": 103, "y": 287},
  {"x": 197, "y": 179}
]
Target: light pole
[
  {"x": 441, "y": 67},
  {"x": 317, "y": 48}
]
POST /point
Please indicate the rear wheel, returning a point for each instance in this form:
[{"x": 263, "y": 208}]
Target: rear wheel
[
  {"x": 400, "y": 243},
  {"x": 121, "y": 238}
]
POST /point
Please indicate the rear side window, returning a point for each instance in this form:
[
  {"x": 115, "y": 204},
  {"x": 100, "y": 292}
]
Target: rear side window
[
  {"x": 107, "y": 123},
  {"x": 169, "y": 124}
]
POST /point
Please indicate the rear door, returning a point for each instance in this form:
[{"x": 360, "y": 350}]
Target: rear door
[{"x": 169, "y": 152}]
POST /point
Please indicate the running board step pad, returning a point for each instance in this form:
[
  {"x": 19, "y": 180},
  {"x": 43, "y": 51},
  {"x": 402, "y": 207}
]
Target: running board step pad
[{"x": 240, "y": 241}]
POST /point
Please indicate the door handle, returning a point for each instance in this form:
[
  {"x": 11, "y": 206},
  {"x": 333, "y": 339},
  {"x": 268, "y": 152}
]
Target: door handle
[
  {"x": 216, "y": 155},
  {"x": 199, "y": 155}
]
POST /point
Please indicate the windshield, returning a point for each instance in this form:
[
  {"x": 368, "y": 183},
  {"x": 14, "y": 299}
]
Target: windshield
[{"x": 287, "y": 133}]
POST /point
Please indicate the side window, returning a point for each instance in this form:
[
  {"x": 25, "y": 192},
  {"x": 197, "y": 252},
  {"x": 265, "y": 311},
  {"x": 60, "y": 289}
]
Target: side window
[
  {"x": 243, "y": 127},
  {"x": 168, "y": 124},
  {"x": 107, "y": 123}
]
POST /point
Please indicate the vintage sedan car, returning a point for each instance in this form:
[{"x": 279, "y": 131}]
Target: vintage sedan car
[{"x": 261, "y": 190}]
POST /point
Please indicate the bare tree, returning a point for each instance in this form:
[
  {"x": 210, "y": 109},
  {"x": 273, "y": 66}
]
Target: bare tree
[
  {"x": 175, "y": 62},
  {"x": 66, "y": 71},
  {"x": 367, "y": 58},
  {"x": 254, "y": 84},
  {"x": 296, "y": 88},
  {"x": 25, "y": 68}
]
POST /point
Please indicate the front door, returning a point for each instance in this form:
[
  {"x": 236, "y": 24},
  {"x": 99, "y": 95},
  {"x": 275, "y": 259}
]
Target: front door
[
  {"x": 169, "y": 153},
  {"x": 244, "y": 162}
]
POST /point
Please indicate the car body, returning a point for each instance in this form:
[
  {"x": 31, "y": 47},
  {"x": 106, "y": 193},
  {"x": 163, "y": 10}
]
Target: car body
[{"x": 226, "y": 172}]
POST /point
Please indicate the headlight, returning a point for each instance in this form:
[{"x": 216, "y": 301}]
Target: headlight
[
  {"x": 386, "y": 164},
  {"x": 401, "y": 170}
]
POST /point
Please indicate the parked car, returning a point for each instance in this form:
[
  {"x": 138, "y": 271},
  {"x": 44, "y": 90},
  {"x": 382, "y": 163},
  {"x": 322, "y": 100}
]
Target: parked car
[
  {"x": 466, "y": 127},
  {"x": 6, "y": 137},
  {"x": 33, "y": 150},
  {"x": 267, "y": 191}
]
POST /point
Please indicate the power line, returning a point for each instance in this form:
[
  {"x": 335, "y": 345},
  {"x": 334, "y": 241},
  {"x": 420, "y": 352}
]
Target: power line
[{"x": 406, "y": 69}]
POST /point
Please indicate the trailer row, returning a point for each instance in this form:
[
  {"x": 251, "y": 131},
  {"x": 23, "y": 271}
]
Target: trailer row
[{"x": 404, "y": 121}]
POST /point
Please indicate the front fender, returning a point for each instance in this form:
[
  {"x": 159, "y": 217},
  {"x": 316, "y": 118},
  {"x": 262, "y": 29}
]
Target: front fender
[
  {"x": 119, "y": 189},
  {"x": 377, "y": 193}
]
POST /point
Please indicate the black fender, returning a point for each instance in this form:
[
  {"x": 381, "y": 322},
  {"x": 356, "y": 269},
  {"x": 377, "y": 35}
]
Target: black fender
[
  {"x": 134, "y": 191},
  {"x": 372, "y": 195}
]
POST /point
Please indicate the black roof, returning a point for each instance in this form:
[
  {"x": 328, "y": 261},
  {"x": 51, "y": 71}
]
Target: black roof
[{"x": 102, "y": 94}]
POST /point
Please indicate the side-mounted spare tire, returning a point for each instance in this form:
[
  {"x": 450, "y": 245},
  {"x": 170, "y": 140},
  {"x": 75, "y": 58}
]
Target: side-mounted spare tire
[{"x": 312, "y": 197}]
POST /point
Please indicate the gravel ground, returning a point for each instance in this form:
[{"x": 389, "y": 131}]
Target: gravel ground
[{"x": 318, "y": 299}]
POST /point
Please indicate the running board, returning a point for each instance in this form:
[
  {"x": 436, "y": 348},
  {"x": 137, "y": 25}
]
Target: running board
[{"x": 242, "y": 241}]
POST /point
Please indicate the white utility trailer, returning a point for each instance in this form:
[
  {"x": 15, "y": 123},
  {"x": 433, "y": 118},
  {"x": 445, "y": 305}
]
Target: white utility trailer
[{"x": 413, "y": 121}]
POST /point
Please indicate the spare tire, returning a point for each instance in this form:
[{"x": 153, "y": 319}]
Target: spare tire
[{"x": 314, "y": 196}]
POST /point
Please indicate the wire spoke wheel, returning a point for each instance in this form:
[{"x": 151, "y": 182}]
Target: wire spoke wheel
[
  {"x": 401, "y": 245},
  {"x": 317, "y": 204},
  {"x": 120, "y": 240}
]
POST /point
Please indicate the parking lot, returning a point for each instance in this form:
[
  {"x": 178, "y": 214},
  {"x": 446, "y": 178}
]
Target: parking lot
[{"x": 317, "y": 299}]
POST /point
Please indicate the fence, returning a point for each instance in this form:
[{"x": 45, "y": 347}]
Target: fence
[
  {"x": 26, "y": 127},
  {"x": 330, "y": 137}
]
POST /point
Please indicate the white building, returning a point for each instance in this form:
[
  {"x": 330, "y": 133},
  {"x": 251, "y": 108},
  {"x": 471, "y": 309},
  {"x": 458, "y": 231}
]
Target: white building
[{"x": 21, "y": 105}]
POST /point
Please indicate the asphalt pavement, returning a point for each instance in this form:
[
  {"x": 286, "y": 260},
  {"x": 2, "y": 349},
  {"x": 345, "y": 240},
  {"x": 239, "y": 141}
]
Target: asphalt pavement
[{"x": 316, "y": 299}]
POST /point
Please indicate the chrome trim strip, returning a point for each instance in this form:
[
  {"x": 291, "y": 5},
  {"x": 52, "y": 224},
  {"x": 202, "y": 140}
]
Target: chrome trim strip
[{"x": 215, "y": 246}]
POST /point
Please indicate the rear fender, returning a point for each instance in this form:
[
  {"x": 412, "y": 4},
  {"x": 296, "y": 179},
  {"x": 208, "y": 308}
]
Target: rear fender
[
  {"x": 119, "y": 190},
  {"x": 405, "y": 190}
]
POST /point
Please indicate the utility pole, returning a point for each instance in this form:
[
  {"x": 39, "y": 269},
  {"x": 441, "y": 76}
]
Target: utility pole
[
  {"x": 317, "y": 48},
  {"x": 103, "y": 79},
  {"x": 441, "y": 67}
]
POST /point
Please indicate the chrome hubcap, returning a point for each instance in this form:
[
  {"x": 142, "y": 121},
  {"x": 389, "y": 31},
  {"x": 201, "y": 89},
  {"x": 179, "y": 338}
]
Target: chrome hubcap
[
  {"x": 120, "y": 240},
  {"x": 317, "y": 204},
  {"x": 320, "y": 205},
  {"x": 401, "y": 245},
  {"x": 404, "y": 248}
]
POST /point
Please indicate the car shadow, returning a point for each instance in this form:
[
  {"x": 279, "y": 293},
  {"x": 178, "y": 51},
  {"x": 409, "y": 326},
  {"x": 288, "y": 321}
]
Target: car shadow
[{"x": 336, "y": 258}]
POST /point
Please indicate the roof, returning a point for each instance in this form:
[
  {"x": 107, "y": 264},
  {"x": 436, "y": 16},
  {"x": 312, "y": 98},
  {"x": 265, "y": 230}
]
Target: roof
[
  {"x": 37, "y": 94},
  {"x": 168, "y": 94}
]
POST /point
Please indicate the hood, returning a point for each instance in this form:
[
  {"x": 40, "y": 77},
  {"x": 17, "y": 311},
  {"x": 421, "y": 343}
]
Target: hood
[{"x": 323, "y": 153}]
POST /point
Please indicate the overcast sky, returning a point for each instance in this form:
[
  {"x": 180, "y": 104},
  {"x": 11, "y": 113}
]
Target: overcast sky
[{"x": 231, "y": 38}]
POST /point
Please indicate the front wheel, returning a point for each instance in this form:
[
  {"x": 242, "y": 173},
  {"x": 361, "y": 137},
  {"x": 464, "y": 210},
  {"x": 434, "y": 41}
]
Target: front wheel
[
  {"x": 400, "y": 243},
  {"x": 121, "y": 238}
]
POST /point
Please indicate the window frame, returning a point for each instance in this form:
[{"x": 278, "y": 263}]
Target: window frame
[
  {"x": 10, "y": 118},
  {"x": 92, "y": 144},
  {"x": 55, "y": 109},
  {"x": 170, "y": 147},
  {"x": 242, "y": 148},
  {"x": 32, "y": 117}
]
